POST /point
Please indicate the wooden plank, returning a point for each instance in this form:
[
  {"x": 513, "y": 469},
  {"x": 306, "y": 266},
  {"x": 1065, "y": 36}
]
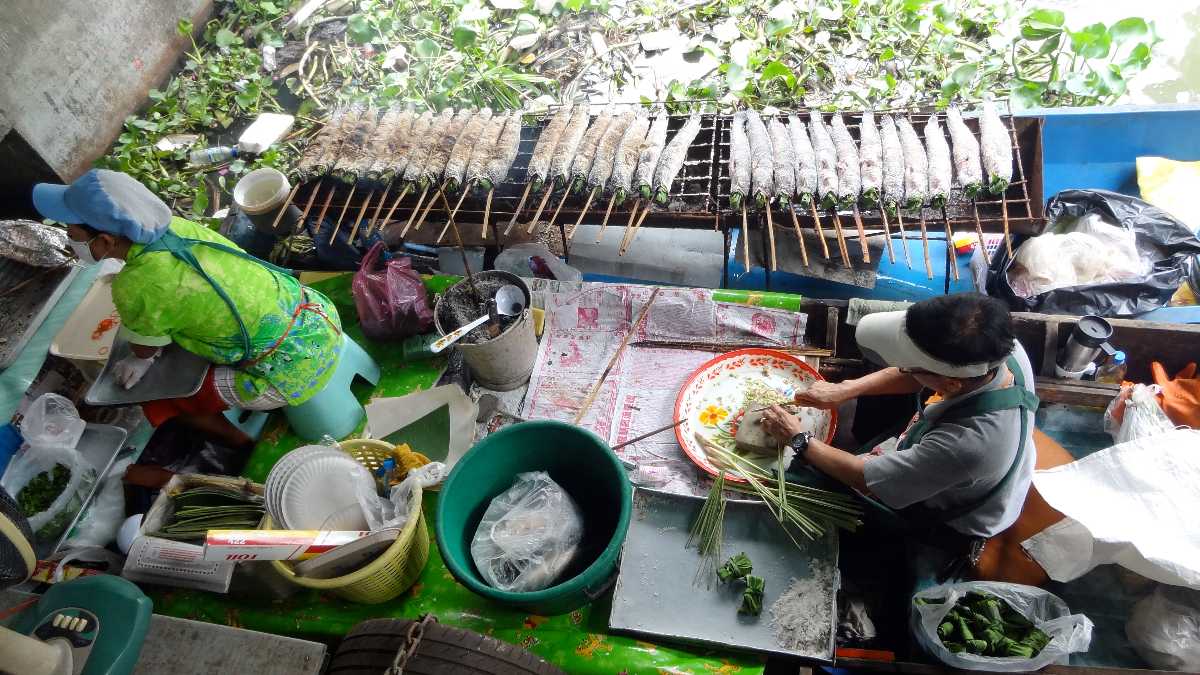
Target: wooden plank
[
  {"x": 1050, "y": 349},
  {"x": 1076, "y": 392},
  {"x": 832, "y": 315}
]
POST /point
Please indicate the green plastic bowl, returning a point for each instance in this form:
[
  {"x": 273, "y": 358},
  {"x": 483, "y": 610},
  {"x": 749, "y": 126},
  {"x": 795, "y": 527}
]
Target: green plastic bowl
[{"x": 579, "y": 461}]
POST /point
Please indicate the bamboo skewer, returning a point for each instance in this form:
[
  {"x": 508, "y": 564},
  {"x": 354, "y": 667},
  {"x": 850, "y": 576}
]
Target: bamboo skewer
[
  {"x": 358, "y": 219},
  {"x": 745, "y": 237},
  {"x": 517, "y": 211},
  {"x": 925, "y": 244},
  {"x": 387, "y": 218},
  {"x": 607, "y": 213},
  {"x": 325, "y": 206},
  {"x": 1004, "y": 217},
  {"x": 338, "y": 225},
  {"x": 637, "y": 226},
  {"x": 312, "y": 198},
  {"x": 979, "y": 233},
  {"x": 450, "y": 218},
  {"x": 408, "y": 223},
  {"x": 903, "y": 236},
  {"x": 841, "y": 237},
  {"x": 812, "y": 204},
  {"x": 862, "y": 235},
  {"x": 374, "y": 221},
  {"x": 582, "y": 213},
  {"x": 538, "y": 214},
  {"x": 553, "y": 218},
  {"x": 887, "y": 233},
  {"x": 286, "y": 204},
  {"x": 487, "y": 212},
  {"x": 800, "y": 236},
  {"x": 429, "y": 207},
  {"x": 648, "y": 434},
  {"x": 771, "y": 236},
  {"x": 637, "y": 323},
  {"x": 629, "y": 227},
  {"x": 463, "y": 252},
  {"x": 950, "y": 257}
]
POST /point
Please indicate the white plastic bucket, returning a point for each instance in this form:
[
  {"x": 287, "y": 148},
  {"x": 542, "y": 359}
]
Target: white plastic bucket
[{"x": 261, "y": 190}]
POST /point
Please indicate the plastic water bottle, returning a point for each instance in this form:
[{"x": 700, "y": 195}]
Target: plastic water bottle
[
  {"x": 214, "y": 155},
  {"x": 1113, "y": 372}
]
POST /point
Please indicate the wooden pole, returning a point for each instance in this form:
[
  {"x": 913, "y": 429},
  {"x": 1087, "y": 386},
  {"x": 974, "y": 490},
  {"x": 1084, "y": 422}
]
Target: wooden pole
[
  {"x": 374, "y": 221},
  {"x": 582, "y": 213},
  {"x": 517, "y": 211},
  {"x": 771, "y": 235},
  {"x": 841, "y": 237},
  {"x": 887, "y": 234},
  {"x": 812, "y": 204},
  {"x": 538, "y": 214},
  {"x": 408, "y": 223},
  {"x": 745, "y": 237},
  {"x": 979, "y": 233},
  {"x": 388, "y": 218},
  {"x": 1004, "y": 217},
  {"x": 338, "y": 225},
  {"x": 607, "y": 213},
  {"x": 953, "y": 259},
  {"x": 553, "y": 218},
  {"x": 312, "y": 198},
  {"x": 629, "y": 227},
  {"x": 358, "y": 219},
  {"x": 591, "y": 396},
  {"x": 487, "y": 212},
  {"x": 450, "y": 218},
  {"x": 903, "y": 236},
  {"x": 286, "y": 204},
  {"x": 463, "y": 252},
  {"x": 800, "y": 236},
  {"x": 862, "y": 235},
  {"x": 925, "y": 244},
  {"x": 637, "y": 226}
]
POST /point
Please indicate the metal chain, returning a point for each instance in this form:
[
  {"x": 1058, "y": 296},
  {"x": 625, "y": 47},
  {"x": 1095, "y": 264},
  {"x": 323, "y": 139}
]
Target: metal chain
[{"x": 412, "y": 639}]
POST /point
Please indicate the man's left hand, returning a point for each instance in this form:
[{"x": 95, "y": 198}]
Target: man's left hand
[{"x": 781, "y": 424}]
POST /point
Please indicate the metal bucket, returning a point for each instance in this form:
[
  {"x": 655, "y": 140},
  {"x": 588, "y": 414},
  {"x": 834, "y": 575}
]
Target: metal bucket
[{"x": 504, "y": 362}]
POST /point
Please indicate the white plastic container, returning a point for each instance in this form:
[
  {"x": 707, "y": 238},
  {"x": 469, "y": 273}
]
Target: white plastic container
[
  {"x": 261, "y": 190},
  {"x": 264, "y": 132},
  {"x": 86, "y": 337}
]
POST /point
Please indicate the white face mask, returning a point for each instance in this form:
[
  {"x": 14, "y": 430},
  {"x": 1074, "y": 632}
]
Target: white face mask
[{"x": 83, "y": 251}]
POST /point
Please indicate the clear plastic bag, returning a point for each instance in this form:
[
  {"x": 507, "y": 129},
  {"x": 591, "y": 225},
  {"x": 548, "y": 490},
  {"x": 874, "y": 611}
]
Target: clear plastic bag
[
  {"x": 528, "y": 536},
  {"x": 1164, "y": 628},
  {"x": 52, "y": 421},
  {"x": 99, "y": 525},
  {"x": 390, "y": 297},
  {"x": 394, "y": 511},
  {"x": 35, "y": 461},
  {"x": 1068, "y": 632},
  {"x": 1135, "y": 413}
]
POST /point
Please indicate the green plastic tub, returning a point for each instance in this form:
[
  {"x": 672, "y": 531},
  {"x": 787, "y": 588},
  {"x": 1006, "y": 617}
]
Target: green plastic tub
[{"x": 579, "y": 461}]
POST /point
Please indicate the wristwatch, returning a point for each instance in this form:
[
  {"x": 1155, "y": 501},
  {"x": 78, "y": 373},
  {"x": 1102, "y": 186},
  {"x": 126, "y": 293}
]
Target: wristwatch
[{"x": 799, "y": 443}]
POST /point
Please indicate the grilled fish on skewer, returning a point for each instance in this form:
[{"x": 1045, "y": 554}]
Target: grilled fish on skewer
[
  {"x": 343, "y": 131},
  {"x": 439, "y": 157},
  {"x": 785, "y": 161},
  {"x": 849, "y": 181},
  {"x": 406, "y": 147},
  {"x": 827, "y": 160},
  {"x": 893, "y": 165},
  {"x": 806, "y": 160},
  {"x": 310, "y": 165},
  {"x": 606, "y": 151},
  {"x": 996, "y": 146},
  {"x": 481, "y": 154},
  {"x": 460, "y": 156},
  {"x": 543, "y": 151},
  {"x": 673, "y": 157},
  {"x": 762, "y": 159},
  {"x": 625, "y": 162},
  {"x": 355, "y": 152},
  {"x": 581, "y": 166},
  {"x": 504, "y": 153},
  {"x": 938, "y": 153},
  {"x": 916, "y": 165},
  {"x": 739, "y": 161},
  {"x": 967, "y": 166},
  {"x": 396, "y": 141},
  {"x": 568, "y": 144},
  {"x": 656, "y": 140},
  {"x": 422, "y": 146},
  {"x": 870, "y": 160}
]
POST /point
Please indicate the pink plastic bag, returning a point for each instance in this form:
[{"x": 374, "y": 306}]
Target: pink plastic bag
[{"x": 391, "y": 299}]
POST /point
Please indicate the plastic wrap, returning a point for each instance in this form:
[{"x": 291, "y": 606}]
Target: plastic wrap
[
  {"x": 1164, "y": 628},
  {"x": 33, "y": 243},
  {"x": 1068, "y": 632},
  {"x": 528, "y": 536},
  {"x": 1135, "y": 413},
  {"x": 1160, "y": 239},
  {"x": 393, "y": 511},
  {"x": 390, "y": 297},
  {"x": 52, "y": 421},
  {"x": 35, "y": 460}
]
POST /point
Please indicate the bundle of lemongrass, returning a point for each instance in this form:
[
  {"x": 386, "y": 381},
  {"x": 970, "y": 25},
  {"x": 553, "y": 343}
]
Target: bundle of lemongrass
[{"x": 708, "y": 533}]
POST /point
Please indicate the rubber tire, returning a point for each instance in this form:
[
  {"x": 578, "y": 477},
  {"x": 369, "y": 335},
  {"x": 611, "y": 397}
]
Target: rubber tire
[{"x": 370, "y": 647}]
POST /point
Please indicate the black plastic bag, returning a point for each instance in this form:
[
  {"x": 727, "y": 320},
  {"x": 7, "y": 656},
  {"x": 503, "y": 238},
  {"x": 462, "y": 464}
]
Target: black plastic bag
[{"x": 1153, "y": 228}]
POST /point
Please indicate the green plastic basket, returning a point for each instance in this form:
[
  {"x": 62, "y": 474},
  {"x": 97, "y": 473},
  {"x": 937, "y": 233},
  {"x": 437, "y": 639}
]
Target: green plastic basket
[{"x": 579, "y": 461}]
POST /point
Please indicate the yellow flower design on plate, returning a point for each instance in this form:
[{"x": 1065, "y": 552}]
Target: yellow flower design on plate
[{"x": 712, "y": 415}]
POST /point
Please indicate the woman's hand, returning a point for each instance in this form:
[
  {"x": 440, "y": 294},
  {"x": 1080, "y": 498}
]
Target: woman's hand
[
  {"x": 781, "y": 424},
  {"x": 824, "y": 395}
]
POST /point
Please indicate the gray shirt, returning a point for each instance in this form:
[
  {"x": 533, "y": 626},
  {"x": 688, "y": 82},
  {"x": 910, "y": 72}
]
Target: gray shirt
[{"x": 957, "y": 462}]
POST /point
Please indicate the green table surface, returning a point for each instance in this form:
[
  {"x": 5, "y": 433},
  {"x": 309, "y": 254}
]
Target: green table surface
[{"x": 578, "y": 642}]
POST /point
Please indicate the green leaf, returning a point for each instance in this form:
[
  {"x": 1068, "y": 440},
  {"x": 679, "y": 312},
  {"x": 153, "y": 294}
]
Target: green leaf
[
  {"x": 777, "y": 27},
  {"x": 1133, "y": 28},
  {"x": 1025, "y": 94},
  {"x": 463, "y": 37},
  {"x": 1093, "y": 42},
  {"x": 200, "y": 200},
  {"x": 359, "y": 28},
  {"x": 184, "y": 27},
  {"x": 736, "y": 78},
  {"x": 426, "y": 48},
  {"x": 226, "y": 39},
  {"x": 963, "y": 74},
  {"x": 1041, "y": 24},
  {"x": 575, "y": 5},
  {"x": 1112, "y": 79},
  {"x": 777, "y": 69},
  {"x": 1051, "y": 45},
  {"x": 1138, "y": 59},
  {"x": 1076, "y": 83},
  {"x": 268, "y": 8}
]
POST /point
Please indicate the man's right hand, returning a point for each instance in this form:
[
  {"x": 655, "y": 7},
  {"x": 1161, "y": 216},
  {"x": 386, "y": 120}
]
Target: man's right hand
[{"x": 824, "y": 395}]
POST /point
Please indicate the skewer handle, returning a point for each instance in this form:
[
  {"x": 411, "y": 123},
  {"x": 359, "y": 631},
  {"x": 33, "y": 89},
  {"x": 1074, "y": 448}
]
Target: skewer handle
[
  {"x": 862, "y": 235},
  {"x": 771, "y": 236},
  {"x": 925, "y": 245},
  {"x": 582, "y": 213},
  {"x": 517, "y": 211},
  {"x": 538, "y": 214},
  {"x": 812, "y": 205},
  {"x": 800, "y": 236},
  {"x": 887, "y": 234}
]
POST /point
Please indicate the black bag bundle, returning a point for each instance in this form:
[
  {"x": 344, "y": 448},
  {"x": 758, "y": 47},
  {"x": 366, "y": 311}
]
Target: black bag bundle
[{"x": 1153, "y": 228}]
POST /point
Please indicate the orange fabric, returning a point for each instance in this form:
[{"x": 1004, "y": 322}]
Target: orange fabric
[
  {"x": 206, "y": 401},
  {"x": 1003, "y": 559},
  {"x": 1181, "y": 395}
]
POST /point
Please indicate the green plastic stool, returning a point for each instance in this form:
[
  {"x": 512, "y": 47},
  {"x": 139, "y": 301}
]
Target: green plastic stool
[{"x": 335, "y": 411}]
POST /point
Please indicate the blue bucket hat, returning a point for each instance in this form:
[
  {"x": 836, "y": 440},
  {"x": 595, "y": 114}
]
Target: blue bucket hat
[{"x": 109, "y": 201}]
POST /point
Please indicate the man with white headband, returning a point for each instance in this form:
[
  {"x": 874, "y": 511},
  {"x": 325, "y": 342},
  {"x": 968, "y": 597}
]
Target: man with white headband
[{"x": 965, "y": 462}]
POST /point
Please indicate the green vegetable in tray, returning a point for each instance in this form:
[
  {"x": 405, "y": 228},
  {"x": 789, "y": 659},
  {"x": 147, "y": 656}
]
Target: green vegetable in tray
[
  {"x": 41, "y": 490},
  {"x": 736, "y": 567},
  {"x": 753, "y": 595},
  {"x": 980, "y": 623}
]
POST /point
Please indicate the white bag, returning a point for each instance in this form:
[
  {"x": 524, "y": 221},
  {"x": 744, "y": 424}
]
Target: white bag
[
  {"x": 1068, "y": 632},
  {"x": 393, "y": 511},
  {"x": 1142, "y": 415},
  {"x": 52, "y": 421},
  {"x": 31, "y": 462},
  {"x": 1164, "y": 628},
  {"x": 528, "y": 536}
]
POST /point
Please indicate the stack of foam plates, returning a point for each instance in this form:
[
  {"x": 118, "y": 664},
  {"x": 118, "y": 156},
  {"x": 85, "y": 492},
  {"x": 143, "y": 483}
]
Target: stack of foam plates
[{"x": 316, "y": 487}]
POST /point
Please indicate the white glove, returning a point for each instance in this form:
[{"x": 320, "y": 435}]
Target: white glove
[{"x": 131, "y": 369}]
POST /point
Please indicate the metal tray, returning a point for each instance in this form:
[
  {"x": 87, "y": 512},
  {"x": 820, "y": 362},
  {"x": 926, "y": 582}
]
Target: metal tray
[
  {"x": 656, "y": 595},
  {"x": 25, "y": 310},
  {"x": 177, "y": 373},
  {"x": 99, "y": 446}
]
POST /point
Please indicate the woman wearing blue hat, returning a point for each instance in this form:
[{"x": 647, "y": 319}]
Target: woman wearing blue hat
[{"x": 272, "y": 341}]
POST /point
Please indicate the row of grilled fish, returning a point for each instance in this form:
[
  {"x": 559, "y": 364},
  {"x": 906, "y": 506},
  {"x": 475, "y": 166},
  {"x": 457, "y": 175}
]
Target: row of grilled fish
[
  {"x": 618, "y": 153},
  {"x": 888, "y": 166}
]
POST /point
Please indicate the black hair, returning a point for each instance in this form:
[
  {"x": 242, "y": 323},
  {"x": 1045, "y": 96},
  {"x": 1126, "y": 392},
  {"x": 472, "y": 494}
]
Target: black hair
[{"x": 962, "y": 328}]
